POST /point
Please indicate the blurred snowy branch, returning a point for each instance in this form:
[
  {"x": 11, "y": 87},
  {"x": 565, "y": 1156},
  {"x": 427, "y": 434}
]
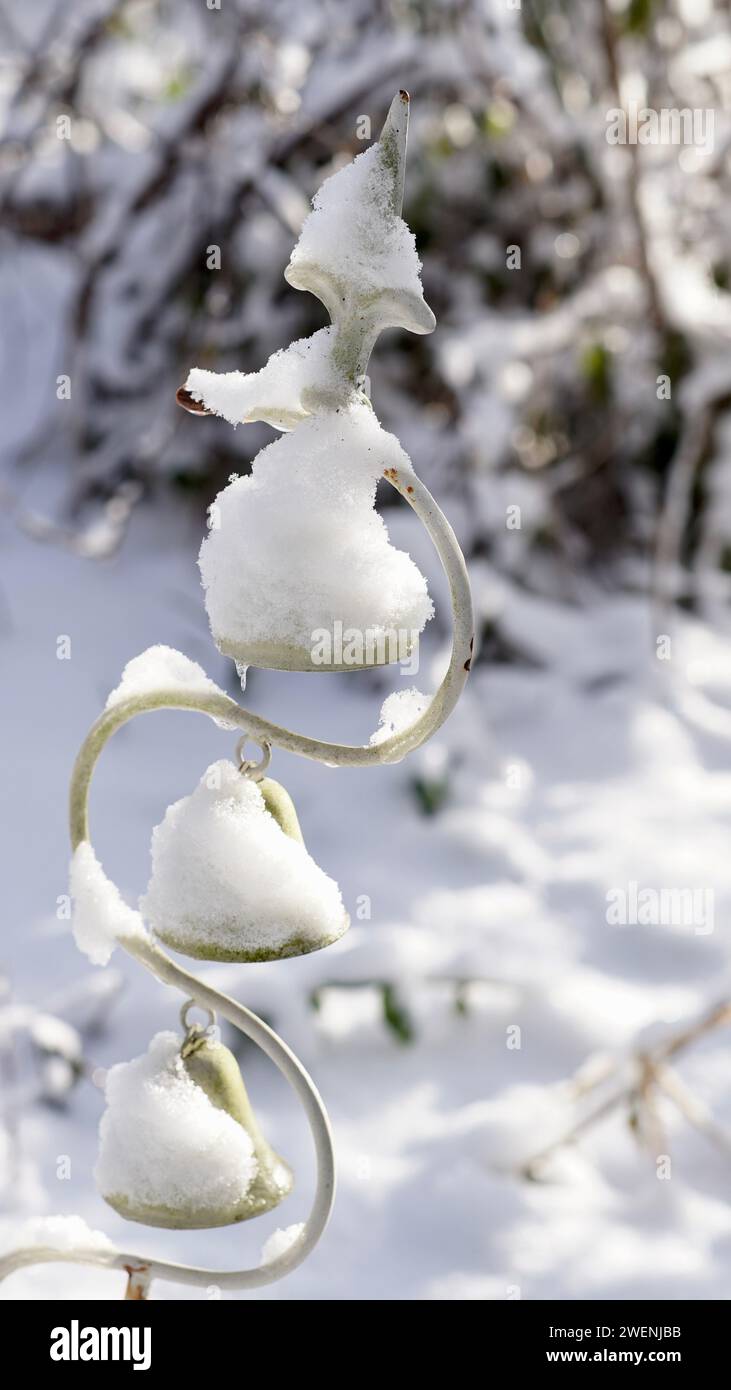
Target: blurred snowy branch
[
  {"x": 158, "y": 230},
  {"x": 632, "y": 1084},
  {"x": 44, "y": 1053}
]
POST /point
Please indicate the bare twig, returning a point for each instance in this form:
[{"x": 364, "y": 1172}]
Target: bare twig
[
  {"x": 611, "y": 48},
  {"x": 648, "y": 1072},
  {"x": 692, "y": 1109},
  {"x": 695, "y": 439}
]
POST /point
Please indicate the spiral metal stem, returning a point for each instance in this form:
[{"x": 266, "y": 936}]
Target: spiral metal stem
[{"x": 142, "y": 1269}]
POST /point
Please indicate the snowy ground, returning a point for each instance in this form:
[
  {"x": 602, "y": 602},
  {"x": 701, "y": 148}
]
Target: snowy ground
[{"x": 567, "y": 778}]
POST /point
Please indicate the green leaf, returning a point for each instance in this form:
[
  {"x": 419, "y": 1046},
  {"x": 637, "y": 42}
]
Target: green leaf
[{"x": 395, "y": 1015}]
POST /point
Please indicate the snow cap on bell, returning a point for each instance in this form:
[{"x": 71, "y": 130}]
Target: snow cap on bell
[
  {"x": 298, "y": 567},
  {"x": 179, "y": 1143},
  {"x": 231, "y": 878}
]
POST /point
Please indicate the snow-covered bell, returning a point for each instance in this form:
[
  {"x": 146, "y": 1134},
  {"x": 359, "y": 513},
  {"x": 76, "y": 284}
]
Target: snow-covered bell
[
  {"x": 231, "y": 878},
  {"x": 179, "y": 1143},
  {"x": 298, "y": 568}
]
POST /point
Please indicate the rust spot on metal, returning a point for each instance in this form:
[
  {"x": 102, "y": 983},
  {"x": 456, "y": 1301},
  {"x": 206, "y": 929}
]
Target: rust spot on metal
[
  {"x": 404, "y": 95},
  {"x": 136, "y": 1287},
  {"x": 409, "y": 489},
  {"x": 184, "y": 398}
]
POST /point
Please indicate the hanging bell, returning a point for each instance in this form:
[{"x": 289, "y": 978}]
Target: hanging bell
[
  {"x": 179, "y": 1143},
  {"x": 298, "y": 568},
  {"x": 231, "y": 878}
]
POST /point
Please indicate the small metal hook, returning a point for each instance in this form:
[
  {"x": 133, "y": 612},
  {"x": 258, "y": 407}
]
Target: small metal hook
[
  {"x": 247, "y": 768},
  {"x": 195, "y": 1033}
]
